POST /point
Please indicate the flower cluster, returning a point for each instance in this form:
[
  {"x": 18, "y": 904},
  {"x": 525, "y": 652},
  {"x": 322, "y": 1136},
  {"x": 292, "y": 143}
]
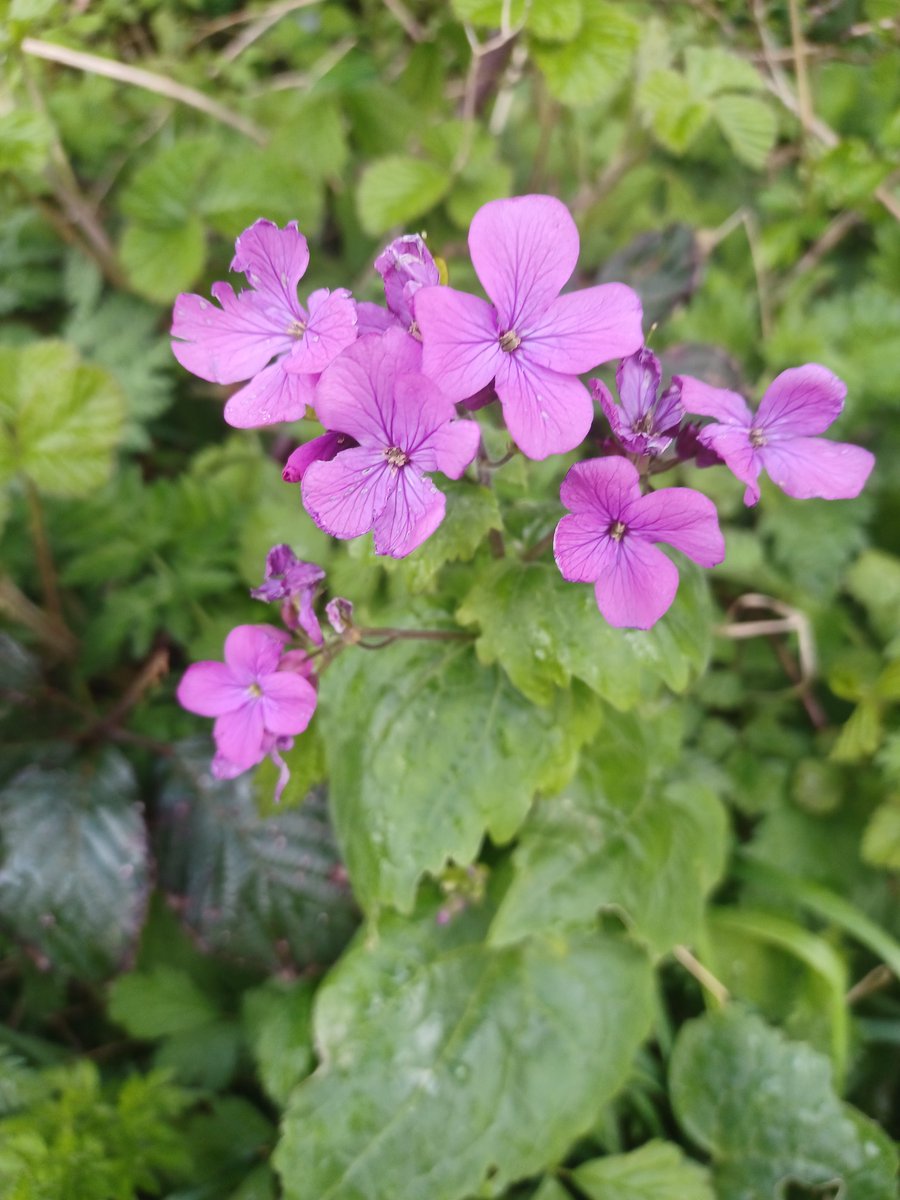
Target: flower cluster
[{"x": 394, "y": 387}]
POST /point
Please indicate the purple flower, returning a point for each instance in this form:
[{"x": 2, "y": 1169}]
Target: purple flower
[
  {"x": 609, "y": 539},
  {"x": 340, "y": 614},
  {"x": 780, "y": 437},
  {"x": 317, "y": 449},
  {"x": 240, "y": 339},
  {"x": 531, "y": 341},
  {"x": 294, "y": 582},
  {"x": 404, "y": 426},
  {"x": 405, "y": 266},
  {"x": 258, "y": 696},
  {"x": 645, "y": 422}
]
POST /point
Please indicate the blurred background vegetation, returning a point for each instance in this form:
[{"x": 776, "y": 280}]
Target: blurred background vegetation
[{"x": 737, "y": 163}]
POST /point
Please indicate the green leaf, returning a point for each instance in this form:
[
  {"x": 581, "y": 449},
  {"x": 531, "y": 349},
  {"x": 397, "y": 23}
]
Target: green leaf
[
  {"x": 657, "y": 1171},
  {"x": 881, "y": 840},
  {"x": 261, "y": 180},
  {"x": 277, "y": 1020},
  {"x": 765, "y": 1110},
  {"x": 555, "y": 20},
  {"x": 25, "y": 141},
  {"x": 161, "y": 262},
  {"x": 445, "y": 1064},
  {"x": 398, "y": 189},
  {"x": 472, "y": 512},
  {"x": 74, "y": 879},
  {"x": 157, "y": 1003},
  {"x": 670, "y": 108},
  {"x": 619, "y": 837},
  {"x": 593, "y": 66},
  {"x": 163, "y": 191},
  {"x": 428, "y": 751},
  {"x": 59, "y": 419},
  {"x": 479, "y": 183},
  {"x": 750, "y": 126},
  {"x": 263, "y": 890},
  {"x": 874, "y": 581},
  {"x": 568, "y": 637},
  {"x": 711, "y": 70}
]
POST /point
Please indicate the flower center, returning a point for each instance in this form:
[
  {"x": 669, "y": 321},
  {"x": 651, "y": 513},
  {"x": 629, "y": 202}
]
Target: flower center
[
  {"x": 296, "y": 329},
  {"x": 396, "y": 457},
  {"x": 757, "y": 438},
  {"x": 644, "y": 425},
  {"x": 510, "y": 341},
  {"x": 617, "y": 530},
  {"x": 254, "y": 690}
]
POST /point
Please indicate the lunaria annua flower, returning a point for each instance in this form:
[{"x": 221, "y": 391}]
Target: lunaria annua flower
[
  {"x": 260, "y": 698},
  {"x": 533, "y": 342},
  {"x": 781, "y": 436},
  {"x": 403, "y": 426},
  {"x": 609, "y": 539},
  {"x": 644, "y": 422},
  {"x": 240, "y": 339},
  {"x": 290, "y": 579}
]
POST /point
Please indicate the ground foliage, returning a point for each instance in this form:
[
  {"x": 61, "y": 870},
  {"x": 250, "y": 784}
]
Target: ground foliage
[{"x": 625, "y": 903}]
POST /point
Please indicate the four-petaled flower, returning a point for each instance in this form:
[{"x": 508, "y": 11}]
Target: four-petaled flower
[
  {"x": 265, "y": 322},
  {"x": 260, "y": 698},
  {"x": 289, "y": 579},
  {"x": 533, "y": 342},
  {"x": 608, "y": 539},
  {"x": 404, "y": 426},
  {"x": 780, "y": 437},
  {"x": 645, "y": 422}
]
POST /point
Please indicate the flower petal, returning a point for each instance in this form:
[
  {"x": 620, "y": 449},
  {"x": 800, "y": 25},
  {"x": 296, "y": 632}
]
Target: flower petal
[
  {"x": 239, "y": 735},
  {"x": 405, "y": 266},
  {"x": 374, "y": 318},
  {"x": 419, "y": 409},
  {"x": 253, "y": 650},
  {"x": 637, "y": 379},
  {"x": 545, "y": 413},
  {"x": 270, "y": 397},
  {"x": 637, "y": 586},
  {"x": 356, "y": 392},
  {"x": 684, "y": 519},
  {"x": 524, "y": 250},
  {"x": 288, "y": 702},
  {"x": 345, "y": 496},
  {"x": 453, "y": 447},
  {"x": 732, "y": 444},
  {"x": 702, "y": 400},
  {"x": 317, "y": 449},
  {"x": 801, "y": 402},
  {"x": 605, "y": 488},
  {"x": 460, "y": 342},
  {"x": 582, "y": 329},
  {"x": 330, "y": 328},
  {"x": 209, "y": 689},
  {"x": 273, "y": 260},
  {"x": 231, "y": 343},
  {"x": 413, "y": 511},
  {"x": 579, "y": 547},
  {"x": 808, "y": 467}
]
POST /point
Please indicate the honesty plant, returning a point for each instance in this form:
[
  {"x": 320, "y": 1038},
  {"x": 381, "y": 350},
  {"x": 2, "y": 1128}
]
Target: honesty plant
[{"x": 385, "y": 380}]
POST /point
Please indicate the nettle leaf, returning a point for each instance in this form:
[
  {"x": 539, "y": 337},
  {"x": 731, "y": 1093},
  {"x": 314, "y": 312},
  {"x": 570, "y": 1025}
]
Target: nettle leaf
[
  {"x": 749, "y": 124},
  {"x": 263, "y": 890},
  {"x": 619, "y": 837},
  {"x": 766, "y": 1111},
  {"x": 566, "y": 636},
  {"x": 428, "y": 751},
  {"x": 74, "y": 880},
  {"x": 399, "y": 189},
  {"x": 656, "y": 1171},
  {"x": 60, "y": 420},
  {"x": 445, "y": 1064},
  {"x": 593, "y": 66}
]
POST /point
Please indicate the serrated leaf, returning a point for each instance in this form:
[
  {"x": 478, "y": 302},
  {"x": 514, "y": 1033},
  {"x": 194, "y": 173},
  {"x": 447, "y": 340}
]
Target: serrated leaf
[
  {"x": 472, "y": 512},
  {"x": 765, "y": 1110},
  {"x": 157, "y": 1003},
  {"x": 277, "y": 1019},
  {"x": 656, "y": 1171},
  {"x": 162, "y": 192},
  {"x": 73, "y": 884},
  {"x": 670, "y": 108},
  {"x": 262, "y": 180},
  {"x": 566, "y": 636},
  {"x": 263, "y": 890},
  {"x": 710, "y": 70},
  {"x": 427, "y": 752},
  {"x": 750, "y": 126},
  {"x": 619, "y": 837},
  {"x": 25, "y": 141},
  {"x": 444, "y": 1064},
  {"x": 593, "y": 66},
  {"x": 59, "y": 419},
  {"x": 398, "y": 189},
  {"x": 555, "y": 20},
  {"x": 161, "y": 262}
]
